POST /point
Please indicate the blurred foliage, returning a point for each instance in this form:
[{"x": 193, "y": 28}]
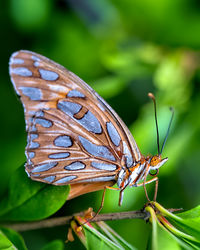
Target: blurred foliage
[
  {"x": 123, "y": 49},
  {"x": 26, "y": 201},
  {"x": 98, "y": 235},
  {"x": 9, "y": 239},
  {"x": 170, "y": 231}
]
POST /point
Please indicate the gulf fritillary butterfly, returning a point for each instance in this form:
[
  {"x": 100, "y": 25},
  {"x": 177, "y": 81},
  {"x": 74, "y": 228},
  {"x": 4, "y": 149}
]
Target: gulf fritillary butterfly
[{"x": 74, "y": 136}]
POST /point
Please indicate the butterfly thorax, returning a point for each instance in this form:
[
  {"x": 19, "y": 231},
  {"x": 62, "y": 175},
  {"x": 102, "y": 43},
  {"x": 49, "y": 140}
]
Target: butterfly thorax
[
  {"x": 130, "y": 176},
  {"x": 136, "y": 173}
]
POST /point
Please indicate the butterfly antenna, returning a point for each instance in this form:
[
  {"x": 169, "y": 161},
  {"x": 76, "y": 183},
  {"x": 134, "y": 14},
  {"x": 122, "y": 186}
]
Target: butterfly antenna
[
  {"x": 155, "y": 111},
  {"x": 169, "y": 126}
]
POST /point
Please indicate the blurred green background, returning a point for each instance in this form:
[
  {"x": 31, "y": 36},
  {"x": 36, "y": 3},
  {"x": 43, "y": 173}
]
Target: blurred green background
[{"x": 123, "y": 49}]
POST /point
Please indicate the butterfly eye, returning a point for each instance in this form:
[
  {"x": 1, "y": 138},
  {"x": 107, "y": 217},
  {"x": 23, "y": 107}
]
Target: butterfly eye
[{"x": 154, "y": 172}]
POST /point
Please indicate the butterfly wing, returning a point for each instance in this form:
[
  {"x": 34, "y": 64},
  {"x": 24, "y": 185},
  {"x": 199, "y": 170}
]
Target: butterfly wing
[
  {"x": 74, "y": 136},
  {"x": 84, "y": 188}
]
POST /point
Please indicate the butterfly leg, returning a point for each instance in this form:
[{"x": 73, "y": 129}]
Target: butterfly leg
[
  {"x": 156, "y": 187},
  {"x": 103, "y": 198},
  {"x": 102, "y": 203},
  {"x": 101, "y": 206},
  {"x": 156, "y": 190},
  {"x": 147, "y": 182}
]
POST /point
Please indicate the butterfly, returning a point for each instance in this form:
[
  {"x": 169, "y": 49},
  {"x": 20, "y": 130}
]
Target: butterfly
[{"x": 74, "y": 136}]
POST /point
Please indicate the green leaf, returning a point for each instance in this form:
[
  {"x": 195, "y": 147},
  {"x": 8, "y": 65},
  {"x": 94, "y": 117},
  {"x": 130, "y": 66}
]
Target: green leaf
[
  {"x": 9, "y": 239},
  {"x": 166, "y": 240},
  {"x": 162, "y": 239},
  {"x": 43, "y": 204},
  {"x": 5, "y": 243},
  {"x": 105, "y": 239},
  {"x": 189, "y": 221},
  {"x": 186, "y": 232},
  {"x": 21, "y": 188},
  {"x": 96, "y": 240},
  {"x": 15, "y": 238},
  {"x": 110, "y": 233},
  {"x": 30, "y": 200},
  {"x": 54, "y": 245},
  {"x": 193, "y": 214}
]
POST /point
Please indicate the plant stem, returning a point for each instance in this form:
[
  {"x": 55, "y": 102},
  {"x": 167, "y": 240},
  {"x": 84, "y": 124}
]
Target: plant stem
[{"x": 59, "y": 221}]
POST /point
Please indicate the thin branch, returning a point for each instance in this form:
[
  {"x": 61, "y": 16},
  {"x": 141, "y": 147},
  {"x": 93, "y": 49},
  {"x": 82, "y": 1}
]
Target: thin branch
[{"x": 59, "y": 221}]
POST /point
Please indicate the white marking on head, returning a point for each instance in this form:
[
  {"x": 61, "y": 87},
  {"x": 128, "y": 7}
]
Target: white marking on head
[{"x": 162, "y": 162}]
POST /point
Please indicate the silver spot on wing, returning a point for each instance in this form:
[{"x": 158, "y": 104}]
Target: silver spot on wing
[
  {"x": 75, "y": 93},
  {"x": 16, "y": 61},
  {"x": 39, "y": 113},
  {"x": 44, "y": 167},
  {"x": 43, "y": 122},
  {"x": 66, "y": 179},
  {"x": 48, "y": 75},
  {"x": 113, "y": 134},
  {"x": 21, "y": 71},
  {"x": 100, "y": 179},
  {"x": 36, "y": 61},
  {"x": 59, "y": 155},
  {"x": 34, "y": 94},
  {"x": 63, "y": 141},
  {"x": 69, "y": 108},
  {"x": 31, "y": 143},
  {"x": 103, "y": 166},
  {"x": 36, "y": 64},
  {"x": 35, "y": 58},
  {"x": 31, "y": 155},
  {"x": 90, "y": 122},
  {"x": 95, "y": 150},
  {"x": 49, "y": 178},
  {"x": 128, "y": 155},
  {"x": 75, "y": 166}
]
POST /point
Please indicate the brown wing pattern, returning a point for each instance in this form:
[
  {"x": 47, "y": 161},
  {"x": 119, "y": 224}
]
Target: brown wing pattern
[{"x": 73, "y": 134}]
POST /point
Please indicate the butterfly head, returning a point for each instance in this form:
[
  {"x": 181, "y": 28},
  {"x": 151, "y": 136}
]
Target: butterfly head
[
  {"x": 131, "y": 176},
  {"x": 156, "y": 162}
]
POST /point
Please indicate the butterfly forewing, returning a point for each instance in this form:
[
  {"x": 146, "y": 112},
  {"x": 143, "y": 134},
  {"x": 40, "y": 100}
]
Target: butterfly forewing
[{"x": 74, "y": 136}]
